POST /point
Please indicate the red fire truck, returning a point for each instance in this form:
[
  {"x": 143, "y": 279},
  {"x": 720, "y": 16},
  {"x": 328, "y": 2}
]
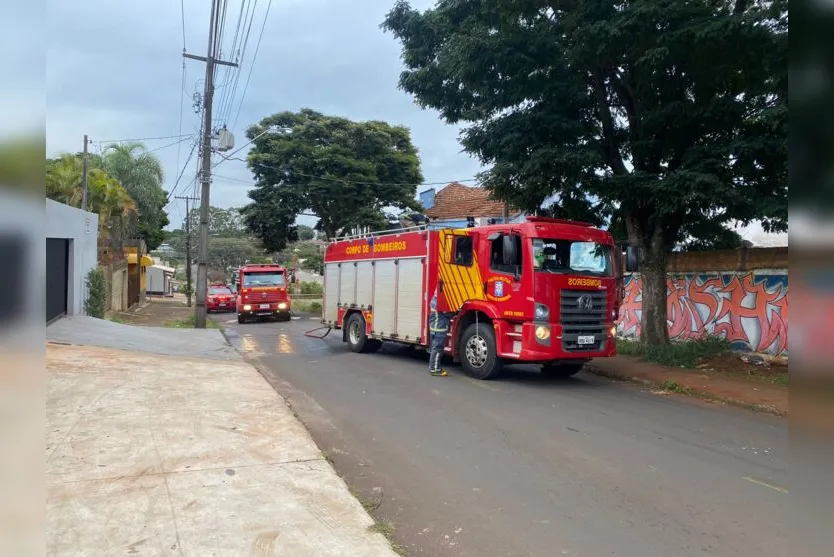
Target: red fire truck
[
  {"x": 545, "y": 291},
  {"x": 262, "y": 291}
]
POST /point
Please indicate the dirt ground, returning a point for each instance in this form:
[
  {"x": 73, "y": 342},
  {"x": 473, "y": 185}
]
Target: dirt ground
[
  {"x": 735, "y": 365},
  {"x": 157, "y": 312}
]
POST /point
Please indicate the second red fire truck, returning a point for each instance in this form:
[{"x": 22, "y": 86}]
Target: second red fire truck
[
  {"x": 263, "y": 291},
  {"x": 544, "y": 291}
]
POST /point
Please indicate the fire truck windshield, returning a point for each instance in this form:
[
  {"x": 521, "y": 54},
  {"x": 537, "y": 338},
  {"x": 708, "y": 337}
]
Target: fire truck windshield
[
  {"x": 266, "y": 278},
  {"x": 571, "y": 257}
]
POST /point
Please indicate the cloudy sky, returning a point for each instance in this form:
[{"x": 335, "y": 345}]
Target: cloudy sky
[{"x": 114, "y": 71}]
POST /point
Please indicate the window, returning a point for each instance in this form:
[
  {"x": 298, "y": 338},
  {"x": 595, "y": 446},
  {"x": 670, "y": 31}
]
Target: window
[
  {"x": 220, "y": 291},
  {"x": 265, "y": 278},
  {"x": 462, "y": 251},
  {"x": 567, "y": 256},
  {"x": 506, "y": 254}
]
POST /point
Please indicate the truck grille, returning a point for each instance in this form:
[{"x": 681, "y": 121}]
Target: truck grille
[{"x": 583, "y": 313}]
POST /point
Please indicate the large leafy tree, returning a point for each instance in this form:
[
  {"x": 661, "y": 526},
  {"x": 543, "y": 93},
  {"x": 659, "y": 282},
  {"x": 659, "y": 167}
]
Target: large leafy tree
[
  {"x": 664, "y": 117},
  {"x": 342, "y": 171},
  {"x": 141, "y": 174}
]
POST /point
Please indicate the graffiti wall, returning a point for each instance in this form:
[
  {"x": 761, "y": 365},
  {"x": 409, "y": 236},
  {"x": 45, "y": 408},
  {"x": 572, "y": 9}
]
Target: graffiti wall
[{"x": 749, "y": 309}]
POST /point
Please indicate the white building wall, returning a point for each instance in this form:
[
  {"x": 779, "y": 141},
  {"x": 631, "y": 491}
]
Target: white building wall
[{"x": 81, "y": 228}]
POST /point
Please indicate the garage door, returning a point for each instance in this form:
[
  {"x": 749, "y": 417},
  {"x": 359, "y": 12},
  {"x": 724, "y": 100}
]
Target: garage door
[{"x": 57, "y": 267}]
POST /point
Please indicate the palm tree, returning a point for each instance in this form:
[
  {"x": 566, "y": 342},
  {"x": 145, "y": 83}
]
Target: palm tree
[
  {"x": 63, "y": 180},
  {"x": 141, "y": 174}
]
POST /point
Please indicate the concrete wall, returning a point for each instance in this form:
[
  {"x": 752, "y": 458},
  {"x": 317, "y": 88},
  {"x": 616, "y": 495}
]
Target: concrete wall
[
  {"x": 741, "y": 295},
  {"x": 81, "y": 228}
]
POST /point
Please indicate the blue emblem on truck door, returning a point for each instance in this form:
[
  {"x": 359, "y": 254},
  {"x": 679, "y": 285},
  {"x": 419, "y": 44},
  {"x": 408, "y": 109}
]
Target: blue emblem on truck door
[{"x": 499, "y": 289}]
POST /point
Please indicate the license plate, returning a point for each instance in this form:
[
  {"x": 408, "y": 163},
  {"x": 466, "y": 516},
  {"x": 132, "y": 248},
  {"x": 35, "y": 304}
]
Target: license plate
[
  {"x": 585, "y": 339},
  {"x": 264, "y": 306},
  {"x": 222, "y": 304}
]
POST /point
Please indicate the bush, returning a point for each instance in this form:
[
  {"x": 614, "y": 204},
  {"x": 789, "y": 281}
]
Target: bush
[
  {"x": 315, "y": 307},
  {"x": 686, "y": 354},
  {"x": 95, "y": 303},
  {"x": 311, "y": 288}
]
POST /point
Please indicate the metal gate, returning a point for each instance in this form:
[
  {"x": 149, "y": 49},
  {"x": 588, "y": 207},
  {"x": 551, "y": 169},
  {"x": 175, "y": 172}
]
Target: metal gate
[{"x": 57, "y": 277}]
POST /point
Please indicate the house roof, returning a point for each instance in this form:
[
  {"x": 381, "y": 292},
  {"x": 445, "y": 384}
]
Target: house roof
[{"x": 456, "y": 201}]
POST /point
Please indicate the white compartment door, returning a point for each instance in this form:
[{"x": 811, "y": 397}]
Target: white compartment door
[
  {"x": 331, "y": 292},
  {"x": 409, "y": 299},
  {"x": 385, "y": 275},
  {"x": 364, "y": 284},
  {"x": 347, "y": 287}
]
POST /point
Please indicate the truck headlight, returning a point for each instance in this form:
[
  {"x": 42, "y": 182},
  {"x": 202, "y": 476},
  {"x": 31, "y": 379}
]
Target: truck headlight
[
  {"x": 542, "y": 332},
  {"x": 247, "y": 307},
  {"x": 282, "y": 305},
  {"x": 542, "y": 312}
]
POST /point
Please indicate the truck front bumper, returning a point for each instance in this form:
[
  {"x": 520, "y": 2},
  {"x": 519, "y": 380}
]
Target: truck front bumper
[
  {"x": 264, "y": 309},
  {"x": 547, "y": 342}
]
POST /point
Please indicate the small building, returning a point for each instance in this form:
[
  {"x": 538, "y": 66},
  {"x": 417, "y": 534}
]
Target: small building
[
  {"x": 71, "y": 252},
  {"x": 137, "y": 270},
  {"x": 453, "y": 205},
  {"x": 160, "y": 280}
]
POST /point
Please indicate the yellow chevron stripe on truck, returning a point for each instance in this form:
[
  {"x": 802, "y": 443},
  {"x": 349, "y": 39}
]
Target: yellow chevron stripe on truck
[{"x": 461, "y": 283}]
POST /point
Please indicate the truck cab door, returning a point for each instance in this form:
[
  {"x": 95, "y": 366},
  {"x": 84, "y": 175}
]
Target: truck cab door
[
  {"x": 503, "y": 268},
  {"x": 459, "y": 279}
]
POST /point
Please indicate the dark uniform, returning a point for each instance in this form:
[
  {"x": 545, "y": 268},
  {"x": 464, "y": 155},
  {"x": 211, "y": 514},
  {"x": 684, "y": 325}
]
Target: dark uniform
[{"x": 438, "y": 329}]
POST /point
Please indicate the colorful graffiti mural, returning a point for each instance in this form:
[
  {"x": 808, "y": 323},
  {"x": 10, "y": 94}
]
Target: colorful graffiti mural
[{"x": 750, "y": 310}]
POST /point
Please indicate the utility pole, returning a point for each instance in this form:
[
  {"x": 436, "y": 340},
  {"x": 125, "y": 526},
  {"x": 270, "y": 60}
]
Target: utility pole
[
  {"x": 188, "y": 291},
  {"x": 84, "y": 175},
  {"x": 205, "y": 174}
]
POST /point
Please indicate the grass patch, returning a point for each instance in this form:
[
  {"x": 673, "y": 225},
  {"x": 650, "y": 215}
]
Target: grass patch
[
  {"x": 116, "y": 319},
  {"x": 307, "y": 306},
  {"x": 674, "y": 387},
  {"x": 188, "y": 323},
  {"x": 780, "y": 380},
  {"x": 687, "y": 354}
]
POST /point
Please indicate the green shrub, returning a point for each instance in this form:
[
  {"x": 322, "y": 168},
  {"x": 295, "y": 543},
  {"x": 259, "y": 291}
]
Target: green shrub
[
  {"x": 311, "y": 288},
  {"x": 95, "y": 303},
  {"x": 686, "y": 354},
  {"x": 315, "y": 307}
]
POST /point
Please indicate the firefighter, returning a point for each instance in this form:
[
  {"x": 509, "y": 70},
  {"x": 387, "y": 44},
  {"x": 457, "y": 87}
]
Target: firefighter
[{"x": 438, "y": 329}]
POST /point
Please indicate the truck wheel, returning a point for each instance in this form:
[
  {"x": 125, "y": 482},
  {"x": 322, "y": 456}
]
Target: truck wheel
[
  {"x": 478, "y": 353},
  {"x": 561, "y": 371},
  {"x": 357, "y": 338},
  {"x": 240, "y": 319}
]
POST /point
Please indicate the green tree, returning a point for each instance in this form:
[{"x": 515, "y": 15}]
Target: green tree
[
  {"x": 305, "y": 233},
  {"x": 222, "y": 222},
  {"x": 140, "y": 172},
  {"x": 344, "y": 172},
  {"x": 660, "y": 114},
  {"x": 232, "y": 252}
]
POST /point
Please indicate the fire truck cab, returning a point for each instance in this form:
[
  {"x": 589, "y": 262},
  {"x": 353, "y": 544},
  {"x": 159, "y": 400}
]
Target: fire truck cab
[
  {"x": 263, "y": 291},
  {"x": 544, "y": 291}
]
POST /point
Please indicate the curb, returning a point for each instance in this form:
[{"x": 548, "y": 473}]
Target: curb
[{"x": 694, "y": 392}]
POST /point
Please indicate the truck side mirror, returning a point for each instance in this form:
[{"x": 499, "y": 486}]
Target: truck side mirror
[{"x": 632, "y": 260}]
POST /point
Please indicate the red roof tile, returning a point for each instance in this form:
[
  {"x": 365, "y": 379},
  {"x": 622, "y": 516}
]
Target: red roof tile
[{"x": 456, "y": 201}]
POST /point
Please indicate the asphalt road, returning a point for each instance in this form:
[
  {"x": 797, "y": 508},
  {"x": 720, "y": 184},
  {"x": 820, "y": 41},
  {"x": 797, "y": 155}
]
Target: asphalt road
[{"x": 524, "y": 465}]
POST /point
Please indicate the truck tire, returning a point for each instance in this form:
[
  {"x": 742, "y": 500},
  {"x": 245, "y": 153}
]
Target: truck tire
[
  {"x": 478, "y": 353},
  {"x": 240, "y": 319},
  {"x": 561, "y": 371},
  {"x": 357, "y": 337}
]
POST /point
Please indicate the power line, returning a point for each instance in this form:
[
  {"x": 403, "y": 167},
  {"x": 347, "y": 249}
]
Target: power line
[
  {"x": 145, "y": 138},
  {"x": 226, "y": 110},
  {"x": 174, "y": 189},
  {"x": 182, "y": 12},
  {"x": 166, "y": 146},
  {"x": 252, "y": 66},
  {"x": 362, "y": 183}
]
